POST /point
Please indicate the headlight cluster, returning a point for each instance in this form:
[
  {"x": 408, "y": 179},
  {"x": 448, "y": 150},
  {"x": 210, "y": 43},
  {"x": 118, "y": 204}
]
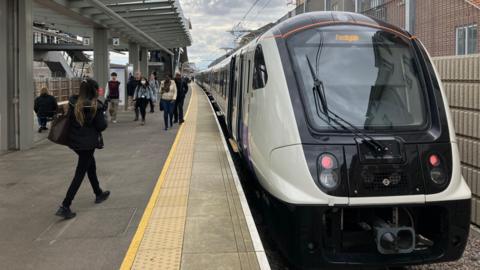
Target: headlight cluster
[
  {"x": 436, "y": 167},
  {"x": 328, "y": 172}
]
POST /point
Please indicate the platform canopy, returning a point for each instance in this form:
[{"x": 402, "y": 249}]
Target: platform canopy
[{"x": 153, "y": 24}]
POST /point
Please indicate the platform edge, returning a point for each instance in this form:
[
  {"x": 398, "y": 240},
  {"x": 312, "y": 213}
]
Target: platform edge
[{"x": 257, "y": 242}]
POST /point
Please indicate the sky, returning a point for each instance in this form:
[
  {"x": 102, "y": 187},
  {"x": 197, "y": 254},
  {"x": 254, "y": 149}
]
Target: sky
[{"x": 211, "y": 19}]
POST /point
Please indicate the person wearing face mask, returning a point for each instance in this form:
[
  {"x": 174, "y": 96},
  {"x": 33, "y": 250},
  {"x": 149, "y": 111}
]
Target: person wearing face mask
[
  {"x": 168, "y": 95},
  {"x": 142, "y": 97},
  {"x": 153, "y": 82}
]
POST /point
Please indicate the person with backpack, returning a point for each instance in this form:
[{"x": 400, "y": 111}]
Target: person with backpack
[
  {"x": 112, "y": 93},
  {"x": 86, "y": 116},
  {"x": 168, "y": 95},
  {"x": 45, "y": 107},
  {"x": 142, "y": 97}
]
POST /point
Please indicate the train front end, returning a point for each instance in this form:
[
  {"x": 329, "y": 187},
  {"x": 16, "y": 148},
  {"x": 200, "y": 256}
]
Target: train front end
[{"x": 376, "y": 141}]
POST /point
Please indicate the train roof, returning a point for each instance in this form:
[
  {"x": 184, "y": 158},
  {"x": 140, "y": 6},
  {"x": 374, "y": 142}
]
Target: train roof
[
  {"x": 313, "y": 19},
  {"x": 319, "y": 18}
]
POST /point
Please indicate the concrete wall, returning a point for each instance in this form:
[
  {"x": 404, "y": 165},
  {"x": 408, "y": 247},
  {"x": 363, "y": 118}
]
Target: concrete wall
[{"x": 461, "y": 81}]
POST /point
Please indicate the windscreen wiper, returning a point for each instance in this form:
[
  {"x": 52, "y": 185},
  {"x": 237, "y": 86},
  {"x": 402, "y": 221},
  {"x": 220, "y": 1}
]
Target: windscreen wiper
[
  {"x": 317, "y": 84},
  {"x": 319, "y": 91}
]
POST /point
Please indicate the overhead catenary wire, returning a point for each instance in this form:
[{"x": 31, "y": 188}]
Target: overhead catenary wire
[
  {"x": 262, "y": 9},
  {"x": 247, "y": 13}
]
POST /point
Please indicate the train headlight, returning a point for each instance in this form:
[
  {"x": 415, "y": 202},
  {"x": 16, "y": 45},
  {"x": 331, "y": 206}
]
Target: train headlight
[
  {"x": 328, "y": 172},
  {"x": 437, "y": 172},
  {"x": 329, "y": 180},
  {"x": 437, "y": 175}
]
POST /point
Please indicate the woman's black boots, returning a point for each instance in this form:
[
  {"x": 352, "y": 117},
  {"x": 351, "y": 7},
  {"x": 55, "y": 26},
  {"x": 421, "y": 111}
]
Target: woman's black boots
[
  {"x": 102, "y": 197},
  {"x": 65, "y": 212}
]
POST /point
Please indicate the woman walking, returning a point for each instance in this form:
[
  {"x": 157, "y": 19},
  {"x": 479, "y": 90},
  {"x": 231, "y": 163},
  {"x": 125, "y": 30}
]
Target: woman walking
[
  {"x": 142, "y": 97},
  {"x": 155, "y": 87},
  {"x": 87, "y": 121},
  {"x": 168, "y": 95}
]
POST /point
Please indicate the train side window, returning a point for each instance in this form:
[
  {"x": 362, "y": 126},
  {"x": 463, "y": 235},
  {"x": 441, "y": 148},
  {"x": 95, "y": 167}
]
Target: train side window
[{"x": 260, "y": 75}]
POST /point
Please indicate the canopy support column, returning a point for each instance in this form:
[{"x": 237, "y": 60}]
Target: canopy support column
[
  {"x": 16, "y": 75},
  {"x": 144, "y": 61},
  {"x": 134, "y": 56},
  {"x": 101, "y": 57}
]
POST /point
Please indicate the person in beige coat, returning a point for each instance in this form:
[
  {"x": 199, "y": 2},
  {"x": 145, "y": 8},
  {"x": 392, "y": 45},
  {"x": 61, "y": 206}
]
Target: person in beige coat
[{"x": 168, "y": 95}]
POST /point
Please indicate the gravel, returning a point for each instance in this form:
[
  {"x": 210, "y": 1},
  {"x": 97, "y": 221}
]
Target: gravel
[{"x": 469, "y": 261}]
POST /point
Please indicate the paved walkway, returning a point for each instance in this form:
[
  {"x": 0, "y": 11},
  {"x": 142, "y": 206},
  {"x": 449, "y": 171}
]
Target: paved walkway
[
  {"x": 33, "y": 183},
  {"x": 190, "y": 217},
  {"x": 195, "y": 218}
]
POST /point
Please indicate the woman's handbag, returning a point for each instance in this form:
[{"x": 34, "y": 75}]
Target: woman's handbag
[
  {"x": 59, "y": 129},
  {"x": 161, "y": 106}
]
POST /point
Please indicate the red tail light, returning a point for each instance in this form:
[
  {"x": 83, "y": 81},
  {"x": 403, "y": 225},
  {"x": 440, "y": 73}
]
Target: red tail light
[
  {"x": 434, "y": 160},
  {"x": 327, "y": 162},
  {"x": 437, "y": 171}
]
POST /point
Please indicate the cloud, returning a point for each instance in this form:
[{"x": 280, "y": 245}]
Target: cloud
[{"x": 212, "y": 19}]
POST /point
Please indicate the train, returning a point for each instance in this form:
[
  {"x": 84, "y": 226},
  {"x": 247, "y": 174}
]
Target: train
[{"x": 343, "y": 122}]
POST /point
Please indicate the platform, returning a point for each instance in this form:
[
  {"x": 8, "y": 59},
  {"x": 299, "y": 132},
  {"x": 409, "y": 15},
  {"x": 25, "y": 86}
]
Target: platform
[
  {"x": 174, "y": 202},
  {"x": 196, "y": 218}
]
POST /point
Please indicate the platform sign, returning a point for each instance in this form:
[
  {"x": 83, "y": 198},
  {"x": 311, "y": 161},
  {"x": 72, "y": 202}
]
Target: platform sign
[
  {"x": 86, "y": 41},
  {"x": 116, "y": 41}
]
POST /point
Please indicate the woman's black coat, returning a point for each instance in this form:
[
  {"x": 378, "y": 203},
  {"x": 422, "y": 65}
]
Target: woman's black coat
[
  {"x": 88, "y": 136},
  {"x": 45, "y": 106}
]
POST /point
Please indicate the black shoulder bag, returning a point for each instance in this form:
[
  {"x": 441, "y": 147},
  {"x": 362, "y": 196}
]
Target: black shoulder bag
[{"x": 59, "y": 129}]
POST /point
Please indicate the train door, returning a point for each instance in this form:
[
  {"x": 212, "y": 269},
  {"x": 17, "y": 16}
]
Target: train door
[
  {"x": 237, "y": 86},
  {"x": 246, "y": 103},
  {"x": 240, "y": 102},
  {"x": 230, "y": 94}
]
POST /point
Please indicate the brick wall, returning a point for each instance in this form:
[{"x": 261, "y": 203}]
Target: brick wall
[
  {"x": 437, "y": 20},
  {"x": 461, "y": 81}
]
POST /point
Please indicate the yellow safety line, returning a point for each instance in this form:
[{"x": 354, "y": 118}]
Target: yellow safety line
[{"x": 137, "y": 238}]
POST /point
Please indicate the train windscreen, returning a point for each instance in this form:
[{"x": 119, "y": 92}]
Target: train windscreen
[{"x": 367, "y": 76}]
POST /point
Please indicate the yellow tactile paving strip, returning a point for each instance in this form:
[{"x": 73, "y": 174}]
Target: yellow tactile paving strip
[{"x": 158, "y": 241}]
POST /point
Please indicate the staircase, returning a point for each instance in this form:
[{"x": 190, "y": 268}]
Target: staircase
[{"x": 69, "y": 64}]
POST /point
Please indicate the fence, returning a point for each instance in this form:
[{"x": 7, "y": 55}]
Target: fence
[
  {"x": 391, "y": 11},
  {"x": 60, "y": 88},
  {"x": 461, "y": 81}
]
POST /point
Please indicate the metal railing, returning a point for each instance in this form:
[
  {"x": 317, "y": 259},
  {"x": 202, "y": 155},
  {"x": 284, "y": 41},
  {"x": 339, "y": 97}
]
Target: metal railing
[{"x": 391, "y": 11}]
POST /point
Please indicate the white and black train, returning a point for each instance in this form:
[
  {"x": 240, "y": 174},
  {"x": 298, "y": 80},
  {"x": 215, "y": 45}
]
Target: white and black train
[{"x": 343, "y": 121}]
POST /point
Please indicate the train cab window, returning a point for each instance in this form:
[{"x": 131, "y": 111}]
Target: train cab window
[
  {"x": 367, "y": 76},
  {"x": 260, "y": 75}
]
